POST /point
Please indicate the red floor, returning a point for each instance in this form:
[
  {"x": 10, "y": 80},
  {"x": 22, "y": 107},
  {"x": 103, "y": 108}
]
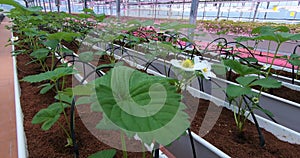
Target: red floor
[{"x": 8, "y": 137}]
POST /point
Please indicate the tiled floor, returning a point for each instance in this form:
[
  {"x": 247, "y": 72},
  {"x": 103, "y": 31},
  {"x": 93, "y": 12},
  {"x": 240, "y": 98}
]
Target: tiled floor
[{"x": 8, "y": 138}]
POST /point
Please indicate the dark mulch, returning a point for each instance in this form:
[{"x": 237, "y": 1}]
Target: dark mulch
[
  {"x": 283, "y": 92},
  {"x": 51, "y": 143},
  {"x": 224, "y": 133}
]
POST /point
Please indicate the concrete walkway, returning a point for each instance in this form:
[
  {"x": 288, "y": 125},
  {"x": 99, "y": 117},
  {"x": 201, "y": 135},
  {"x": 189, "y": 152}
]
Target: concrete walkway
[{"x": 8, "y": 137}]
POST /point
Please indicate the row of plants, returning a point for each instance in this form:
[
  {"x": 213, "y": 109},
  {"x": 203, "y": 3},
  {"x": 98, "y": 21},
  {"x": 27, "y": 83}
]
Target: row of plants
[
  {"x": 43, "y": 42},
  {"x": 241, "y": 96},
  {"x": 240, "y": 27},
  {"x": 41, "y": 37},
  {"x": 276, "y": 34},
  {"x": 106, "y": 97},
  {"x": 221, "y": 47}
]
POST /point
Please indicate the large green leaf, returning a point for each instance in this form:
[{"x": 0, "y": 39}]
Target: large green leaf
[
  {"x": 110, "y": 153},
  {"x": 219, "y": 69},
  {"x": 67, "y": 36},
  {"x": 140, "y": 103},
  {"x": 278, "y": 34},
  {"x": 243, "y": 38},
  {"x": 64, "y": 97},
  {"x": 58, "y": 107},
  {"x": 40, "y": 54},
  {"x": 46, "y": 88},
  {"x": 46, "y": 116},
  {"x": 235, "y": 91},
  {"x": 35, "y": 9},
  {"x": 240, "y": 68},
  {"x": 51, "y": 43},
  {"x": 83, "y": 100},
  {"x": 267, "y": 83},
  {"x": 244, "y": 81},
  {"x": 86, "y": 56},
  {"x": 50, "y": 75},
  {"x": 13, "y": 3},
  {"x": 294, "y": 59},
  {"x": 83, "y": 89}
]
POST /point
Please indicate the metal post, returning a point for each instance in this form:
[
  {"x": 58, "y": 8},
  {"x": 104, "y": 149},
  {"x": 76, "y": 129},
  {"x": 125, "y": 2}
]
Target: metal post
[
  {"x": 69, "y": 6},
  {"x": 50, "y": 6},
  {"x": 110, "y": 7},
  {"x": 44, "y": 6},
  {"x": 85, "y": 4},
  {"x": 155, "y": 5},
  {"x": 194, "y": 11},
  {"x": 57, "y": 3},
  {"x": 193, "y": 16},
  {"x": 241, "y": 14},
  {"x": 139, "y": 5},
  {"x": 268, "y": 4},
  {"x": 203, "y": 15},
  {"x": 255, "y": 12},
  {"x": 228, "y": 11},
  {"x": 26, "y": 3},
  {"x": 118, "y": 3},
  {"x": 183, "y": 9},
  {"x": 219, "y": 9}
]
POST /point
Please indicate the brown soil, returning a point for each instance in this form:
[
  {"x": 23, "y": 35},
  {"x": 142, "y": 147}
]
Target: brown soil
[
  {"x": 225, "y": 137},
  {"x": 283, "y": 92},
  {"x": 51, "y": 143}
]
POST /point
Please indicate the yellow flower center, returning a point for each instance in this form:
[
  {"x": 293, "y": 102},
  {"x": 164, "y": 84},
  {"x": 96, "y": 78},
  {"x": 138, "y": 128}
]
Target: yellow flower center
[
  {"x": 187, "y": 63},
  {"x": 205, "y": 70},
  {"x": 255, "y": 100}
]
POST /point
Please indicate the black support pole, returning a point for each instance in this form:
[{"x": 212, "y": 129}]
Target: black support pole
[{"x": 69, "y": 6}]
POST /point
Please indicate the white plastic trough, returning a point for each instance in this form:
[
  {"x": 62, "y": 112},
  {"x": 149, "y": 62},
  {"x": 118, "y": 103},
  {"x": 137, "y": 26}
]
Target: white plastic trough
[{"x": 21, "y": 137}]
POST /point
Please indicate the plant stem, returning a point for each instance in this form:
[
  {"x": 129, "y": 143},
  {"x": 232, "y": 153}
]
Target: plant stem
[
  {"x": 63, "y": 109},
  {"x": 276, "y": 51},
  {"x": 269, "y": 69},
  {"x": 64, "y": 129},
  {"x": 123, "y": 145}
]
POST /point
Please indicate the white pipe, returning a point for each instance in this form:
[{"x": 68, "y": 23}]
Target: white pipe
[
  {"x": 21, "y": 138},
  {"x": 209, "y": 146},
  {"x": 281, "y": 132}
]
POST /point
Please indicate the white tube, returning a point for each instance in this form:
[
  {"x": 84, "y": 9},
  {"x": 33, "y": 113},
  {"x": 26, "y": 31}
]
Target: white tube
[{"x": 21, "y": 138}]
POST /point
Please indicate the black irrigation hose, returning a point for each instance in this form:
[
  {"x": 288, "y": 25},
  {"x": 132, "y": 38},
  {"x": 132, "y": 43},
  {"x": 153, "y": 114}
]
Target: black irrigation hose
[
  {"x": 147, "y": 63},
  {"x": 72, "y": 111},
  {"x": 220, "y": 38},
  {"x": 73, "y": 137},
  {"x": 61, "y": 58},
  {"x": 156, "y": 150},
  {"x": 270, "y": 117},
  {"x": 293, "y": 66},
  {"x": 247, "y": 98},
  {"x": 192, "y": 143},
  {"x": 238, "y": 43},
  {"x": 261, "y": 136},
  {"x": 200, "y": 82}
]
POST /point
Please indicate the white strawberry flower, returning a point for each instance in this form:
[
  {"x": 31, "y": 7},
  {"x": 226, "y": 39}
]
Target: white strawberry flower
[
  {"x": 196, "y": 65},
  {"x": 15, "y": 38}
]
